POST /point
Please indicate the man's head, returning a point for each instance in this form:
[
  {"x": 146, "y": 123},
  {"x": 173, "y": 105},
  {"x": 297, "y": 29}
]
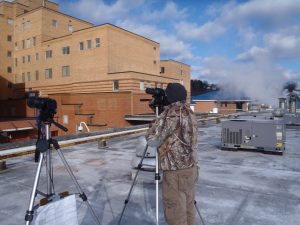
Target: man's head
[{"x": 175, "y": 92}]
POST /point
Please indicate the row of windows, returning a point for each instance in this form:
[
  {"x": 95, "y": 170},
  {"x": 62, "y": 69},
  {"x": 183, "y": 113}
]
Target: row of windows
[
  {"x": 28, "y": 42},
  {"x": 27, "y": 25},
  {"x": 65, "y": 72},
  {"x": 65, "y": 51},
  {"x": 89, "y": 44}
]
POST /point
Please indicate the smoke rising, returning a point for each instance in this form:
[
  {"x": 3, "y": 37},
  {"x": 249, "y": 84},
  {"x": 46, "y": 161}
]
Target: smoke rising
[{"x": 258, "y": 80}]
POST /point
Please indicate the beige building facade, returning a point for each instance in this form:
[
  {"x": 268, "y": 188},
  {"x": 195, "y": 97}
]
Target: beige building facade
[{"x": 87, "y": 69}]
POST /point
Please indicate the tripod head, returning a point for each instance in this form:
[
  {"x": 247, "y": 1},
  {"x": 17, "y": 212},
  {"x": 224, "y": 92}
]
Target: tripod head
[
  {"x": 47, "y": 109},
  {"x": 159, "y": 99}
]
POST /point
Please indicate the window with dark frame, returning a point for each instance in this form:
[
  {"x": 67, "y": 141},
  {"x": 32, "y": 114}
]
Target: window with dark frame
[
  {"x": 66, "y": 50},
  {"x": 115, "y": 85},
  {"x": 81, "y": 45},
  {"x": 48, "y": 54},
  {"x": 9, "y": 54},
  {"x": 97, "y": 43},
  {"x": 162, "y": 69},
  {"x": 9, "y": 69},
  {"x": 9, "y": 38}
]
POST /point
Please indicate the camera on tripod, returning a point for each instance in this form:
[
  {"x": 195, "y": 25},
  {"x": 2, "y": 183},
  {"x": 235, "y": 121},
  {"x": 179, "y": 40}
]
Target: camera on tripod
[
  {"x": 46, "y": 106},
  {"x": 159, "y": 99}
]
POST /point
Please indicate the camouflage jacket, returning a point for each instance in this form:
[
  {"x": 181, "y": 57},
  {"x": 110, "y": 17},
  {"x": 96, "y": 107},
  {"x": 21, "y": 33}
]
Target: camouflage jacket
[{"x": 175, "y": 135}]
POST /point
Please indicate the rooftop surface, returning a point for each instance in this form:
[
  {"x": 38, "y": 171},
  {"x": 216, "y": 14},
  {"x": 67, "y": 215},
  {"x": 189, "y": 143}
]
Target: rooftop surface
[{"x": 234, "y": 188}]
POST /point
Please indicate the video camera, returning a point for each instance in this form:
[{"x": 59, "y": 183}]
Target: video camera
[
  {"x": 46, "y": 106},
  {"x": 159, "y": 99}
]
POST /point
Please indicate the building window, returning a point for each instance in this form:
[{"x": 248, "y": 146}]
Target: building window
[
  {"x": 88, "y": 44},
  {"x": 162, "y": 69},
  {"x": 28, "y": 24},
  {"x": 16, "y": 46},
  {"x": 9, "y": 38},
  {"x": 23, "y": 59},
  {"x": 66, "y": 50},
  {"x": 65, "y": 119},
  {"x": 54, "y": 23},
  {"x": 97, "y": 43},
  {"x": 142, "y": 86},
  {"x": 154, "y": 61},
  {"x": 48, "y": 73},
  {"x": 10, "y": 21},
  {"x": 115, "y": 85},
  {"x": 81, "y": 45},
  {"x": 8, "y": 53},
  {"x": 48, "y": 54},
  {"x": 37, "y": 56},
  {"x": 16, "y": 62},
  {"x": 66, "y": 71},
  {"x": 70, "y": 28},
  {"x": 37, "y": 75},
  {"x": 28, "y": 76},
  {"x": 23, "y": 27},
  {"x": 34, "y": 41},
  {"x": 28, "y": 58},
  {"x": 23, "y": 44},
  {"x": 23, "y": 77},
  {"x": 154, "y": 48},
  {"x": 28, "y": 43},
  {"x": 9, "y": 69}
]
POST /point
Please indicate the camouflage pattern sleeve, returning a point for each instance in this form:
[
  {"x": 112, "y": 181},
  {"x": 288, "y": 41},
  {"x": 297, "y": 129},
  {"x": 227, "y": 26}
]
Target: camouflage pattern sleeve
[{"x": 160, "y": 130}]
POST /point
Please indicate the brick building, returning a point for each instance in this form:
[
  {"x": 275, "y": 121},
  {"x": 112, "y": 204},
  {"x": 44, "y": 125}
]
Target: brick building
[{"x": 97, "y": 74}]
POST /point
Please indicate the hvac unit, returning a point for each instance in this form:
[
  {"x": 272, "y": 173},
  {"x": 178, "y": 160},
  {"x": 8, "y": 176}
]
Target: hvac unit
[{"x": 258, "y": 135}]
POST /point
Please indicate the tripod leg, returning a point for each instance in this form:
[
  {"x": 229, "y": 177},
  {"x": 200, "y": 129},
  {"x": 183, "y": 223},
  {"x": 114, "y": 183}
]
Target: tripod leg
[
  {"x": 157, "y": 178},
  {"x": 82, "y": 194},
  {"x": 133, "y": 183},
  {"x": 30, "y": 212},
  {"x": 198, "y": 211}
]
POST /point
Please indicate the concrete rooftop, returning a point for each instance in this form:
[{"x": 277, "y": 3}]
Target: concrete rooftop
[{"x": 235, "y": 188}]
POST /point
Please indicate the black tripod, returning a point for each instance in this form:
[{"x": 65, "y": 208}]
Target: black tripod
[{"x": 44, "y": 147}]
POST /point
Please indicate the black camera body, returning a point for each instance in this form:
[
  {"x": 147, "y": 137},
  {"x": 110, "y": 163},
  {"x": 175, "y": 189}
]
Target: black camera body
[
  {"x": 46, "y": 106},
  {"x": 159, "y": 99}
]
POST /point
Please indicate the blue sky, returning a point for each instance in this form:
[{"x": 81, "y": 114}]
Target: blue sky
[{"x": 247, "y": 46}]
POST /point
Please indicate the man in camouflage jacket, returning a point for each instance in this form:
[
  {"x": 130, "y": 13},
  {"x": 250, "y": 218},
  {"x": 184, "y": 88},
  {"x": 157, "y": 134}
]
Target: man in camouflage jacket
[{"x": 174, "y": 132}]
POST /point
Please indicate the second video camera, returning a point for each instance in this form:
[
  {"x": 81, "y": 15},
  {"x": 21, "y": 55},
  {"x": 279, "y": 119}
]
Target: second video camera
[{"x": 159, "y": 99}]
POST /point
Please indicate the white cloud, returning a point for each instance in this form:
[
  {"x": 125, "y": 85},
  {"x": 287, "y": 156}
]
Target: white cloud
[
  {"x": 204, "y": 32},
  {"x": 98, "y": 10},
  {"x": 169, "y": 12}
]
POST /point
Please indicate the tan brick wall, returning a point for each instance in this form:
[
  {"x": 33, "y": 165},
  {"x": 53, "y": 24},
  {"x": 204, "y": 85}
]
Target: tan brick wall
[
  {"x": 130, "y": 52},
  {"x": 98, "y": 110},
  {"x": 179, "y": 71},
  {"x": 204, "y": 106}
]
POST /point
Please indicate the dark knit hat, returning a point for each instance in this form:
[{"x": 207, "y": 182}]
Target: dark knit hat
[{"x": 175, "y": 92}]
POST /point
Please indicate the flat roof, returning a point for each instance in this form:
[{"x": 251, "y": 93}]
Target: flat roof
[{"x": 233, "y": 188}]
